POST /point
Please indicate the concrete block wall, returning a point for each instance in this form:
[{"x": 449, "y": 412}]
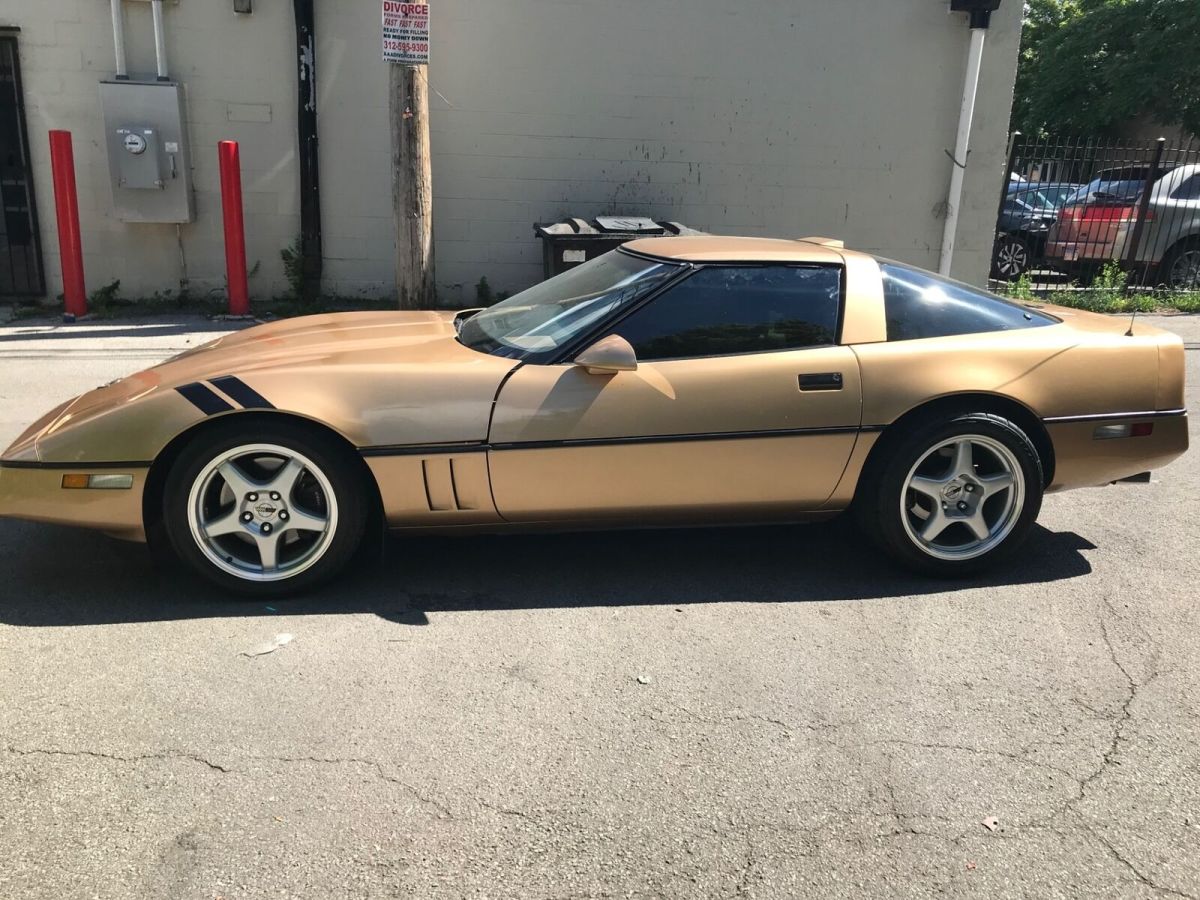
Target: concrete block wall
[
  {"x": 225, "y": 62},
  {"x": 756, "y": 118}
]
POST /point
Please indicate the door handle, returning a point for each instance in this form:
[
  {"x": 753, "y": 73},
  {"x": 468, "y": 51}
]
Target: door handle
[{"x": 821, "y": 381}]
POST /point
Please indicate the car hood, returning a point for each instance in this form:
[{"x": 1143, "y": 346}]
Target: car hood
[
  {"x": 377, "y": 378},
  {"x": 327, "y": 337}
]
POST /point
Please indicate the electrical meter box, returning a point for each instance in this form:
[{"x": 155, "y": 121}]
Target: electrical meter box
[{"x": 147, "y": 151}]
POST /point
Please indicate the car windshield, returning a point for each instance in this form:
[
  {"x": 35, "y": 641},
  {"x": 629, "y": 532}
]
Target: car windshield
[{"x": 547, "y": 316}]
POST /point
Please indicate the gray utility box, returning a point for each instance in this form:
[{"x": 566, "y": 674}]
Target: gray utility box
[{"x": 147, "y": 151}]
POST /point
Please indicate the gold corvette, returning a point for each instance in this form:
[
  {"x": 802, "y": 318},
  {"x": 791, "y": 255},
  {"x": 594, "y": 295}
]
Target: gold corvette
[{"x": 675, "y": 381}]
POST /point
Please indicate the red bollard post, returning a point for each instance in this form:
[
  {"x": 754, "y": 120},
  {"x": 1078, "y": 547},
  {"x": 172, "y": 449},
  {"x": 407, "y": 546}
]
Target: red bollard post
[
  {"x": 66, "y": 203},
  {"x": 235, "y": 229}
]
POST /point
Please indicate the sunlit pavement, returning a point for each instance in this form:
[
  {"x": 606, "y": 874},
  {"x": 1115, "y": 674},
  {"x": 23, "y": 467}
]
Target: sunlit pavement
[{"x": 766, "y": 712}]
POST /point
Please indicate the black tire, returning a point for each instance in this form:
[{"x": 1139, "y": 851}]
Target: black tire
[
  {"x": 317, "y": 555},
  {"x": 1011, "y": 257},
  {"x": 885, "y": 501},
  {"x": 1174, "y": 273}
]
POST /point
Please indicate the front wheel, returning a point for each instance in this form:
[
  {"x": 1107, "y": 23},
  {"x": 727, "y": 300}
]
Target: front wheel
[
  {"x": 268, "y": 515},
  {"x": 954, "y": 497},
  {"x": 1010, "y": 257}
]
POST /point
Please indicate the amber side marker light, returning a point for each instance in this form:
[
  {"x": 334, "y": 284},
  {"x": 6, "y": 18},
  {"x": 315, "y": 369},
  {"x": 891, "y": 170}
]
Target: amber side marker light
[
  {"x": 97, "y": 482},
  {"x": 1136, "y": 429}
]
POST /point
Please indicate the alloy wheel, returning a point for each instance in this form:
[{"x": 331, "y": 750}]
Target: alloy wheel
[
  {"x": 1012, "y": 258},
  {"x": 262, "y": 512},
  {"x": 962, "y": 497},
  {"x": 1185, "y": 270}
]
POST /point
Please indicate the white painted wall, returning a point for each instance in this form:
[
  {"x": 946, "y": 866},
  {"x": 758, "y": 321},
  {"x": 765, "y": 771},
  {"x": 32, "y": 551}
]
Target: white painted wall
[{"x": 767, "y": 117}]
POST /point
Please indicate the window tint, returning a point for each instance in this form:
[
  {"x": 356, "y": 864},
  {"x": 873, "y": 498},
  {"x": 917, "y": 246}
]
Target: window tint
[
  {"x": 919, "y": 304},
  {"x": 1189, "y": 190},
  {"x": 541, "y": 319},
  {"x": 724, "y": 310}
]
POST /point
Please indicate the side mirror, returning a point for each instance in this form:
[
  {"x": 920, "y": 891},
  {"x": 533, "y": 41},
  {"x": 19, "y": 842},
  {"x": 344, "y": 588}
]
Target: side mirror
[{"x": 608, "y": 356}]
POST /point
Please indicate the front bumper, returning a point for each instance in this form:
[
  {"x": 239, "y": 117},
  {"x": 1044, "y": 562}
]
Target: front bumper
[
  {"x": 1083, "y": 461},
  {"x": 34, "y": 491}
]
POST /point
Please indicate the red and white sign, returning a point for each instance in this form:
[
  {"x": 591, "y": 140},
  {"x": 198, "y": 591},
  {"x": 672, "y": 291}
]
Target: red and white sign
[{"x": 405, "y": 32}]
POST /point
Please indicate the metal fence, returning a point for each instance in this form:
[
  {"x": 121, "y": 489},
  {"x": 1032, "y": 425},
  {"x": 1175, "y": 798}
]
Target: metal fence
[{"x": 1082, "y": 211}]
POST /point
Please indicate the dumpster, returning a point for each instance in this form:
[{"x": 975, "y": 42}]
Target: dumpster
[{"x": 568, "y": 243}]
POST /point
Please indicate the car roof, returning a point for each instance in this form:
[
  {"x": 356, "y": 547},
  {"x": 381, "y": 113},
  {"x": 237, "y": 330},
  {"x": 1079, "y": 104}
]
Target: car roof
[
  {"x": 1131, "y": 172},
  {"x": 714, "y": 248}
]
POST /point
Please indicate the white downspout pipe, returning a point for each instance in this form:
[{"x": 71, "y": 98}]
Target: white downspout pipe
[
  {"x": 160, "y": 39},
  {"x": 119, "y": 40},
  {"x": 966, "y": 113}
]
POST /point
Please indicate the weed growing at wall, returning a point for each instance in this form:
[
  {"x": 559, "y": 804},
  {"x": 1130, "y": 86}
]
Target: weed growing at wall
[{"x": 1108, "y": 293}]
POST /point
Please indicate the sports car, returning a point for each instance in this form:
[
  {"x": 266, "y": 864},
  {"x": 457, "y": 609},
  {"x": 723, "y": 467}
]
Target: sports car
[{"x": 673, "y": 381}]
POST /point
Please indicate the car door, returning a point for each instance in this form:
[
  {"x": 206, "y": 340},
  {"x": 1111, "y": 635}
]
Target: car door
[{"x": 742, "y": 406}]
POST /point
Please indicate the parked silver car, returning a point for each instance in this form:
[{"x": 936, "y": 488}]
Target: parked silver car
[{"x": 1098, "y": 223}]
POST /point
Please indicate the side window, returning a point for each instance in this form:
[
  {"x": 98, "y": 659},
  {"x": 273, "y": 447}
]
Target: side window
[
  {"x": 919, "y": 304},
  {"x": 724, "y": 310},
  {"x": 1189, "y": 190}
]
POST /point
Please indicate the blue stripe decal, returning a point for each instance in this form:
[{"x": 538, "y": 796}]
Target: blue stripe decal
[
  {"x": 203, "y": 398},
  {"x": 241, "y": 392}
]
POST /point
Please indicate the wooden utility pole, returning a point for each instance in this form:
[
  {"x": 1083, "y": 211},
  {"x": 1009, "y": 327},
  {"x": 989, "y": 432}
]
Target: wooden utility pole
[
  {"x": 412, "y": 185},
  {"x": 311, "y": 254}
]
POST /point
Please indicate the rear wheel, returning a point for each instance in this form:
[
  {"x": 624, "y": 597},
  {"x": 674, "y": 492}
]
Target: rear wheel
[
  {"x": 1181, "y": 268},
  {"x": 954, "y": 497},
  {"x": 274, "y": 514}
]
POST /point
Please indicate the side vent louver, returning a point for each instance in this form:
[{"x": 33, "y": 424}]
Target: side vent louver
[{"x": 441, "y": 487}]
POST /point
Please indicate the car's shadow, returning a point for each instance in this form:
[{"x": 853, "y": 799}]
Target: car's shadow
[{"x": 63, "y": 577}]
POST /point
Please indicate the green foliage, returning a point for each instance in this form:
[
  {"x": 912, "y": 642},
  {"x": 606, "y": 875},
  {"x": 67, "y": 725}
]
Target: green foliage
[
  {"x": 1108, "y": 293},
  {"x": 293, "y": 268},
  {"x": 105, "y": 297},
  {"x": 1108, "y": 287},
  {"x": 1090, "y": 66},
  {"x": 483, "y": 293},
  {"x": 1021, "y": 289}
]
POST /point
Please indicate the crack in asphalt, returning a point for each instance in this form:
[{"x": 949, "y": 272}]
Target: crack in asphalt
[
  {"x": 906, "y": 823},
  {"x": 165, "y": 755},
  {"x": 743, "y": 885},
  {"x": 1123, "y": 720},
  {"x": 966, "y": 748},
  {"x": 1141, "y": 877},
  {"x": 1108, "y": 758},
  {"x": 171, "y": 755},
  {"x": 369, "y": 763},
  {"x": 769, "y": 720},
  {"x": 507, "y": 811}
]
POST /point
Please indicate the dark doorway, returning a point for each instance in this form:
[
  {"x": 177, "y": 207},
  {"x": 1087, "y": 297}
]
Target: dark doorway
[{"x": 21, "y": 271}]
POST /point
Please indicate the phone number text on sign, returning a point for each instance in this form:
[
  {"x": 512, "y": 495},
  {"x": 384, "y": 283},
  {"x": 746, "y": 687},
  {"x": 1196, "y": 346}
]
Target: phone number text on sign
[{"x": 405, "y": 32}]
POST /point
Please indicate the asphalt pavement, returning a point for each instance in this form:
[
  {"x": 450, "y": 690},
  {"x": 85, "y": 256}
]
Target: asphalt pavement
[{"x": 756, "y": 712}]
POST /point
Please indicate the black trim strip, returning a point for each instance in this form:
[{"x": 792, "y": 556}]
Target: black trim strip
[
  {"x": 203, "y": 398},
  {"x": 431, "y": 449},
  {"x": 1100, "y": 417},
  {"x": 72, "y": 466},
  {"x": 240, "y": 392},
  {"x": 421, "y": 449},
  {"x": 677, "y": 438}
]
